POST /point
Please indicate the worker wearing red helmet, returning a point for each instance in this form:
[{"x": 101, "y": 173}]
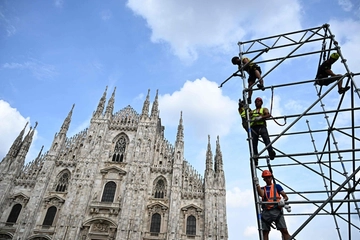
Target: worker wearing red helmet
[
  {"x": 258, "y": 126},
  {"x": 272, "y": 212},
  {"x": 254, "y": 72},
  {"x": 325, "y": 71}
]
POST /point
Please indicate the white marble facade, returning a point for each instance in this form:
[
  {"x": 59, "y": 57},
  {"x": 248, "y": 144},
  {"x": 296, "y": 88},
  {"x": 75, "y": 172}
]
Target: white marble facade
[{"x": 117, "y": 179}]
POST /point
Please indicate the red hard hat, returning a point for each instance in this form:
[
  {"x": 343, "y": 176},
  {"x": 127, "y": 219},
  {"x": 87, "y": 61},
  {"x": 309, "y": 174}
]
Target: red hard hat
[
  {"x": 258, "y": 99},
  {"x": 266, "y": 173}
]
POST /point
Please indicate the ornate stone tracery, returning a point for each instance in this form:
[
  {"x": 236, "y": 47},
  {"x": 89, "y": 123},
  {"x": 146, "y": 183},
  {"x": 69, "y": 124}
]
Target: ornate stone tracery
[
  {"x": 160, "y": 187},
  {"x": 102, "y": 228},
  {"x": 120, "y": 148}
]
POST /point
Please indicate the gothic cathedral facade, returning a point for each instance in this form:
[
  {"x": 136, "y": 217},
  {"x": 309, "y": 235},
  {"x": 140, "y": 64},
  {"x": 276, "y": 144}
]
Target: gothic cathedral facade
[{"x": 117, "y": 179}]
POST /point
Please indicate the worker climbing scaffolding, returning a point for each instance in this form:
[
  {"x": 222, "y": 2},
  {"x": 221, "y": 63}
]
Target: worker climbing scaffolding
[
  {"x": 259, "y": 128},
  {"x": 254, "y": 72},
  {"x": 324, "y": 71}
]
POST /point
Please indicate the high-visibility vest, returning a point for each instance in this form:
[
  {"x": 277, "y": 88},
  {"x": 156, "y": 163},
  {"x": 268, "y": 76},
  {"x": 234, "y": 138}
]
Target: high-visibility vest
[
  {"x": 271, "y": 197},
  {"x": 257, "y": 114},
  {"x": 242, "y": 113}
]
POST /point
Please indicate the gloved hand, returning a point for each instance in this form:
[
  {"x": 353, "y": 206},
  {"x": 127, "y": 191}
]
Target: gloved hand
[
  {"x": 256, "y": 181},
  {"x": 258, "y": 118},
  {"x": 287, "y": 207},
  {"x": 281, "y": 203}
]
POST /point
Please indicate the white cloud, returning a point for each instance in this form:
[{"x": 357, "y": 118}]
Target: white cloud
[
  {"x": 189, "y": 26},
  {"x": 38, "y": 69},
  {"x": 237, "y": 198},
  {"x": 346, "y": 5},
  {"x": 349, "y": 43},
  {"x": 12, "y": 122},
  {"x": 204, "y": 107},
  {"x": 251, "y": 231},
  {"x": 9, "y": 27}
]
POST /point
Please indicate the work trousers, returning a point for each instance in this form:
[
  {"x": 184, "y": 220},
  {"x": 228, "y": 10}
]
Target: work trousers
[{"x": 260, "y": 130}]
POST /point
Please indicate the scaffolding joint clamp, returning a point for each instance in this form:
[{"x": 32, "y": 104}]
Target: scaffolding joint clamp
[{"x": 351, "y": 190}]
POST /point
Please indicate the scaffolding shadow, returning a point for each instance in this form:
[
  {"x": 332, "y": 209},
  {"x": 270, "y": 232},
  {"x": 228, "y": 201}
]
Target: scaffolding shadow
[{"x": 317, "y": 151}]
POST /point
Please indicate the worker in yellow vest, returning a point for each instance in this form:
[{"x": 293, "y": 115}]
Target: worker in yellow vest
[
  {"x": 242, "y": 112},
  {"x": 258, "y": 128}
]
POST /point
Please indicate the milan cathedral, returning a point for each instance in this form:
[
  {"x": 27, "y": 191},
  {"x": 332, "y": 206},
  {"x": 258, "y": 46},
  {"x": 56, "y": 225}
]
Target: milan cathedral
[{"x": 117, "y": 179}]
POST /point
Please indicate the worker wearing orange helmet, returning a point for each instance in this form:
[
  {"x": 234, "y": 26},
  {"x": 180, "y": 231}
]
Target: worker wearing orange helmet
[
  {"x": 258, "y": 128},
  {"x": 272, "y": 212},
  {"x": 325, "y": 71},
  {"x": 254, "y": 72}
]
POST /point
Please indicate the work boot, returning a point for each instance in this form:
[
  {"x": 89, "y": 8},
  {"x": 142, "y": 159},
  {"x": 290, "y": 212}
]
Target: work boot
[
  {"x": 343, "y": 90},
  {"x": 261, "y": 87},
  {"x": 249, "y": 100},
  {"x": 272, "y": 155}
]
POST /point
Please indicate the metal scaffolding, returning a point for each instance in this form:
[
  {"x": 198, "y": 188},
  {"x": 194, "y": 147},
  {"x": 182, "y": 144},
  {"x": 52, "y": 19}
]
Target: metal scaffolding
[{"x": 323, "y": 136}]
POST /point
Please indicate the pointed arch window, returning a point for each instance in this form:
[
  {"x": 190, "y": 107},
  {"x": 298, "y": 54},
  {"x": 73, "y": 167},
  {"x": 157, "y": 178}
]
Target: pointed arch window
[
  {"x": 5, "y": 236},
  {"x": 155, "y": 223},
  {"x": 191, "y": 225},
  {"x": 109, "y": 192},
  {"x": 50, "y": 216},
  {"x": 63, "y": 181},
  {"x": 160, "y": 189},
  {"x": 119, "y": 151},
  {"x": 14, "y": 214}
]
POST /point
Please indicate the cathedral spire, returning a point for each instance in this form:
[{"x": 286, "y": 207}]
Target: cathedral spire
[
  {"x": 40, "y": 152},
  {"x": 65, "y": 126},
  {"x": 101, "y": 105},
  {"x": 27, "y": 143},
  {"x": 13, "y": 151},
  {"x": 145, "y": 110},
  {"x": 209, "y": 164},
  {"x": 110, "y": 106},
  {"x": 15, "y": 147},
  {"x": 180, "y": 132},
  {"x": 37, "y": 159},
  {"x": 218, "y": 157},
  {"x": 60, "y": 137},
  {"x": 155, "y": 107}
]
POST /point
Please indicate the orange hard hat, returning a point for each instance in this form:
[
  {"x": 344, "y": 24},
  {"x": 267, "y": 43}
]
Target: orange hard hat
[{"x": 266, "y": 173}]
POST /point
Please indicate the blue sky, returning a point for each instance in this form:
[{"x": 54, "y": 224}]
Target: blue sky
[{"x": 58, "y": 53}]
